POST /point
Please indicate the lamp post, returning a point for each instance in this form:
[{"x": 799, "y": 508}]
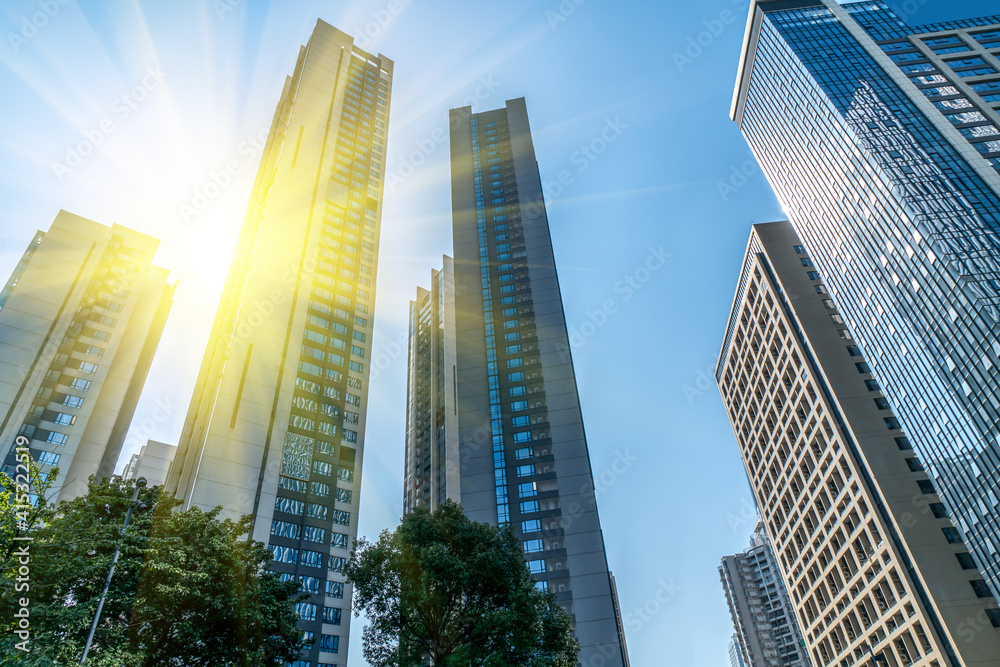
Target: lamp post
[{"x": 135, "y": 504}]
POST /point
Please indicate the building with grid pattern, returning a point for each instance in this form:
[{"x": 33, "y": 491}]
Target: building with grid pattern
[
  {"x": 767, "y": 634},
  {"x": 80, "y": 319},
  {"x": 276, "y": 426},
  {"x": 494, "y": 418},
  {"x": 882, "y": 143},
  {"x": 872, "y": 562}
]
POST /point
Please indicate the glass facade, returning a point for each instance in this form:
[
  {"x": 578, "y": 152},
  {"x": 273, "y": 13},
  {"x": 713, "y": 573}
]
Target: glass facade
[{"x": 878, "y": 148}]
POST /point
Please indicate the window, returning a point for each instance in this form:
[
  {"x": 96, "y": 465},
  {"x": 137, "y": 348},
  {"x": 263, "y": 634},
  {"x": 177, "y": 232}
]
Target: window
[
  {"x": 285, "y": 529},
  {"x": 882, "y": 404},
  {"x": 853, "y": 350},
  {"x": 322, "y": 468},
  {"x": 514, "y": 363},
  {"x": 533, "y": 526},
  {"x": 340, "y": 517},
  {"x": 529, "y": 506},
  {"x": 317, "y": 511},
  {"x": 536, "y": 566},
  {"x": 939, "y": 511},
  {"x": 994, "y": 616},
  {"x": 524, "y": 436},
  {"x": 72, "y": 401},
  {"x": 863, "y": 367},
  {"x": 524, "y": 453},
  {"x": 314, "y": 534},
  {"x": 813, "y": 275},
  {"x": 513, "y": 349},
  {"x": 312, "y": 558},
  {"x": 904, "y": 443},
  {"x": 515, "y": 377},
  {"x": 65, "y": 419},
  {"x": 284, "y": 554},
  {"x": 524, "y": 471},
  {"x": 952, "y": 535},
  {"x": 518, "y": 390},
  {"x": 329, "y": 643},
  {"x": 81, "y": 384},
  {"x": 533, "y": 546},
  {"x": 309, "y": 584},
  {"x": 980, "y": 588},
  {"x": 345, "y": 474},
  {"x": 338, "y": 540},
  {"x": 836, "y": 318},
  {"x": 320, "y": 489},
  {"x": 527, "y": 490},
  {"x": 289, "y": 506},
  {"x": 49, "y": 458},
  {"x": 523, "y": 420},
  {"x": 513, "y": 335},
  {"x": 334, "y": 589},
  {"x": 800, "y": 249},
  {"x": 966, "y": 561},
  {"x": 289, "y": 484},
  {"x": 87, "y": 367},
  {"x": 306, "y": 611},
  {"x": 872, "y": 385},
  {"x": 337, "y": 563},
  {"x": 806, "y": 261},
  {"x": 57, "y": 438},
  {"x": 343, "y": 495},
  {"x": 891, "y": 423},
  {"x": 926, "y": 486},
  {"x": 332, "y": 615}
]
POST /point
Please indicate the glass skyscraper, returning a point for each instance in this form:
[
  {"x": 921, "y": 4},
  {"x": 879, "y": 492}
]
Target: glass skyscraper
[
  {"x": 276, "y": 425},
  {"x": 493, "y": 418},
  {"x": 881, "y": 142}
]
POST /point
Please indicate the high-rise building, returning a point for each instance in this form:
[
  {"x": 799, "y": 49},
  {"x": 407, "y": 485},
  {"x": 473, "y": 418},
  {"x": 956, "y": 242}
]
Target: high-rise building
[
  {"x": 494, "y": 417},
  {"x": 882, "y": 143},
  {"x": 872, "y": 562},
  {"x": 276, "y": 426},
  {"x": 767, "y": 634},
  {"x": 80, "y": 320},
  {"x": 151, "y": 462}
]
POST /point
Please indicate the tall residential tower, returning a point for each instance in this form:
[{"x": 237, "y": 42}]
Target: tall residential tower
[
  {"x": 494, "y": 418},
  {"x": 873, "y": 565},
  {"x": 882, "y": 143},
  {"x": 276, "y": 425},
  {"x": 80, "y": 320},
  {"x": 767, "y": 632}
]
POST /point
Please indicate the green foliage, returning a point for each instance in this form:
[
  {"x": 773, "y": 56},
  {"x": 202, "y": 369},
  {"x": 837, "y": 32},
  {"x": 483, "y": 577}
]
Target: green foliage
[
  {"x": 188, "y": 589},
  {"x": 447, "y": 588}
]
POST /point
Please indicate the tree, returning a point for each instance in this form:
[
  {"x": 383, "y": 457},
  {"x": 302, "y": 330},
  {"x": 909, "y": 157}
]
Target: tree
[
  {"x": 458, "y": 592},
  {"x": 188, "y": 590}
]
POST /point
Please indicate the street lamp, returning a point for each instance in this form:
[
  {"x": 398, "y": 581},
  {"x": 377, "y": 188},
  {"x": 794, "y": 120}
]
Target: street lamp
[{"x": 137, "y": 505}]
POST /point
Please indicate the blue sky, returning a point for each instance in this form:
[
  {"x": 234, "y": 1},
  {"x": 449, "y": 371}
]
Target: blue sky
[{"x": 161, "y": 96}]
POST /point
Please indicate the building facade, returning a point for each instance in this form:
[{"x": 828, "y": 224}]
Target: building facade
[
  {"x": 276, "y": 426},
  {"x": 872, "y": 561},
  {"x": 767, "y": 633},
  {"x": 80, "y": 319},
  {"x": 494, "y": 418},
  {"x": 151, "y": 462},
  {"x": 882, "y": 143}
]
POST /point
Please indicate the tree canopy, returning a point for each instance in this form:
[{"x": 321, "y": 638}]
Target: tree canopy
[
  {"x": 189, "y": 589},
  {"x": 443, "y": 587}
]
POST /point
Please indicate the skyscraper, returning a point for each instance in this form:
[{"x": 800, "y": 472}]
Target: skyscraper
[
  {"x": 276, "y": 426},
  {"x": 80, "y": 320},
  {"x": 767, "y": 633},
  {"x": 882, "y": 143},
  {"x": 872, "y": 562},
  {"x": 494, "y": 418}
]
